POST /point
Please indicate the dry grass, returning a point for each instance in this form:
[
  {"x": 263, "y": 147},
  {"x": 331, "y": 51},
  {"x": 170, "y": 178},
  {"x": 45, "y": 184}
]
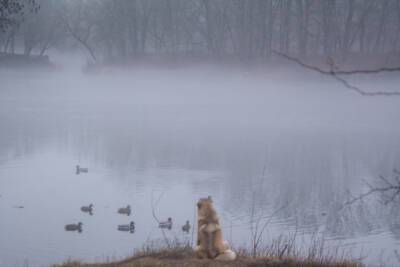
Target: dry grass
[{"x": 184, "y": 257}]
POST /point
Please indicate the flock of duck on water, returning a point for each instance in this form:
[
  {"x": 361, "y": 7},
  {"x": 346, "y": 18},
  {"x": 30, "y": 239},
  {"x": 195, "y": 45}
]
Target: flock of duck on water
[{"x": 125, "y": 211}]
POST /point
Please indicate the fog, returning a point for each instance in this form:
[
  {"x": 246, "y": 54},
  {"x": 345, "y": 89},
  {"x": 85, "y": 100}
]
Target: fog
[
  {"x": 185, "y": 133},
  {"x": 285, "y": 112}
]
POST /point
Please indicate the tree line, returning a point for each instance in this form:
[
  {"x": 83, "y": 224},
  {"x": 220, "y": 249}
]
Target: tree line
[{"x": 120, "y": 30}]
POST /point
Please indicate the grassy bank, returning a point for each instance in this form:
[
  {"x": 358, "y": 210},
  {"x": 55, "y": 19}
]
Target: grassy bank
[{"x": 184, "y": 257}]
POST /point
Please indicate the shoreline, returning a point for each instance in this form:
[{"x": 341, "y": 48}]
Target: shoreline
[{"x": 185, "y": 257}]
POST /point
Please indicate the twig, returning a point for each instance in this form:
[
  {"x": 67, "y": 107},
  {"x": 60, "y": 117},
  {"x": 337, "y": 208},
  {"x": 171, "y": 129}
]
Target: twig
[
  {"x": 153, "y": 208},
  {"x": 283, "y": 251},
  {"x": 194, "y": 225},
  {"x": 81, "y": 40},
  {"x": 154, "y": 205},
  {"x": 268, "y": 222},
  {"x": 397, "y": 254},
  {"x": 390, "y": 187}
]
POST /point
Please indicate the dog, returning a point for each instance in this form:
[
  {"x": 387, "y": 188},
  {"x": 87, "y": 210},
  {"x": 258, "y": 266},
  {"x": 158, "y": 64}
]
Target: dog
[{"x": 210, "y": 244}]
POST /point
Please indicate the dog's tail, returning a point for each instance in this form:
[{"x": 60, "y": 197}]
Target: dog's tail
[
  {"x": 226, "y": 245},
  {"x": 227, "y": 255}
]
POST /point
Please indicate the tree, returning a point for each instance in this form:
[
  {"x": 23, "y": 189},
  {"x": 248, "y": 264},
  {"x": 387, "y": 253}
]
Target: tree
[
  {"x": 11, "y": 11},
  {"x": 119, "y": 30},
  {"x": 43, "y": 29},
  {"x": 80, "y": 21}
]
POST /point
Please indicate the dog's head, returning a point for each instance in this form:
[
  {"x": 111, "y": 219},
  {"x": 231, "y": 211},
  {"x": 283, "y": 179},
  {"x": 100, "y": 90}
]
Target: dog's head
[
  {"x": 205, "y": 208},
  {"x": 204, "y": 201}
]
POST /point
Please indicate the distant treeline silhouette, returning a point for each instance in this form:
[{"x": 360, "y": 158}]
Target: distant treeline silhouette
[{"x": 119, "y": 30}]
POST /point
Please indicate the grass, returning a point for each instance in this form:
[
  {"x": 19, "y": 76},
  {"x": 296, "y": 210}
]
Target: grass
[{"x": 184, "y": 256}]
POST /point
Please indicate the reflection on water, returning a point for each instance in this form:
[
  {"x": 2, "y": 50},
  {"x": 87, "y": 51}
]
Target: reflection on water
[{"x": 253, "y": 142}]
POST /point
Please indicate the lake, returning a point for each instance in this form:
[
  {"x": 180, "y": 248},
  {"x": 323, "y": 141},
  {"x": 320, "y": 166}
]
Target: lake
[{"x": 283, "y": 148}]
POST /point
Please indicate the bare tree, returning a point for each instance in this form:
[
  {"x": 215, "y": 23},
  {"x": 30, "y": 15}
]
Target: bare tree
[
  {"x": 12, "y": 11},
  {"x": 120, "y": 30},
  {"x": 80, "y": 25}
]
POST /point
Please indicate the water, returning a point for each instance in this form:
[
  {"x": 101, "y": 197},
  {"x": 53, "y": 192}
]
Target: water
[{"x": 255, "y": 141}]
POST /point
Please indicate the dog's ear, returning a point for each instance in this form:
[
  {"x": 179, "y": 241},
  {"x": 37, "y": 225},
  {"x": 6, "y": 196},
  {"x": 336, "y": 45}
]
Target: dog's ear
[{"x": 198, "y": 205}]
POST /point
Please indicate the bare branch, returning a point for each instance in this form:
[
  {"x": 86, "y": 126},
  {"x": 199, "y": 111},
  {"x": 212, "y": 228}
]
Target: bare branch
[
  {"x": 82, "y": 40},
  {"x": 268, "y": 222},
  {"x": 389, "y": 191},
  {"x": 397, "y": 254},
  {"x": 369, "y": 192},
  {"x": 153, "y": 212},
  {"x": 335, "y": 74},
  {"x": 385, "y": 180}
]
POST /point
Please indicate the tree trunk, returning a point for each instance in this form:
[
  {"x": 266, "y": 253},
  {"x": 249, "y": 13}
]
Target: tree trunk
[
  {"x": 271, "y": 19},
  {"x": 348, "y": 27},
  {"x": 382, "y": 21}
]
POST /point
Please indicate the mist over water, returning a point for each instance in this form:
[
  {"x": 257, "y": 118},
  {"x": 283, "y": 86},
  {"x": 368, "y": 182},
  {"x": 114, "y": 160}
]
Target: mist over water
[{"x": 250, "y": 138}]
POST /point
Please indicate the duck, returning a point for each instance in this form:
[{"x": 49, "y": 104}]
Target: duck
[
  {"x": 126, "y": 210},
  {"x": 79, "y": 169},
  {"x": 127, "y": 227},
  {"x": 87, "y": 209},
  {"x": 74, "y": 227},
  {"x": 167, "y": 224},
  {"x": 186, "y": 227}
]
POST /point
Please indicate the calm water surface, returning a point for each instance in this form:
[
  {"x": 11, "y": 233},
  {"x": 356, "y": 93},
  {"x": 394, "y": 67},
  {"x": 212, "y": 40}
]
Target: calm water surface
[{"x": 255, "y": 141}]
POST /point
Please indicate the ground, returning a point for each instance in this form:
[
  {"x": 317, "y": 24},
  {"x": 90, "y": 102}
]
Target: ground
[{"x": 184, "y": 257}]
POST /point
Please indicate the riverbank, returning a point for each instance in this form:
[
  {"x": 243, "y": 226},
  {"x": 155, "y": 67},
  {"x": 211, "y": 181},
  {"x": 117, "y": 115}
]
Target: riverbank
[
  {"x": 347, "y": 62},
  {"x": 21, "y": 61},
  {"x": 184, "y": 257}
]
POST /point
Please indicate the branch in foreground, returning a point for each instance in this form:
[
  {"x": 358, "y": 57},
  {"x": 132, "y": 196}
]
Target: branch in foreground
[
  {"x": 335, "y": 74},
  {"x": 389, "y": 191},
  {"x": 153, "y": 212}
]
